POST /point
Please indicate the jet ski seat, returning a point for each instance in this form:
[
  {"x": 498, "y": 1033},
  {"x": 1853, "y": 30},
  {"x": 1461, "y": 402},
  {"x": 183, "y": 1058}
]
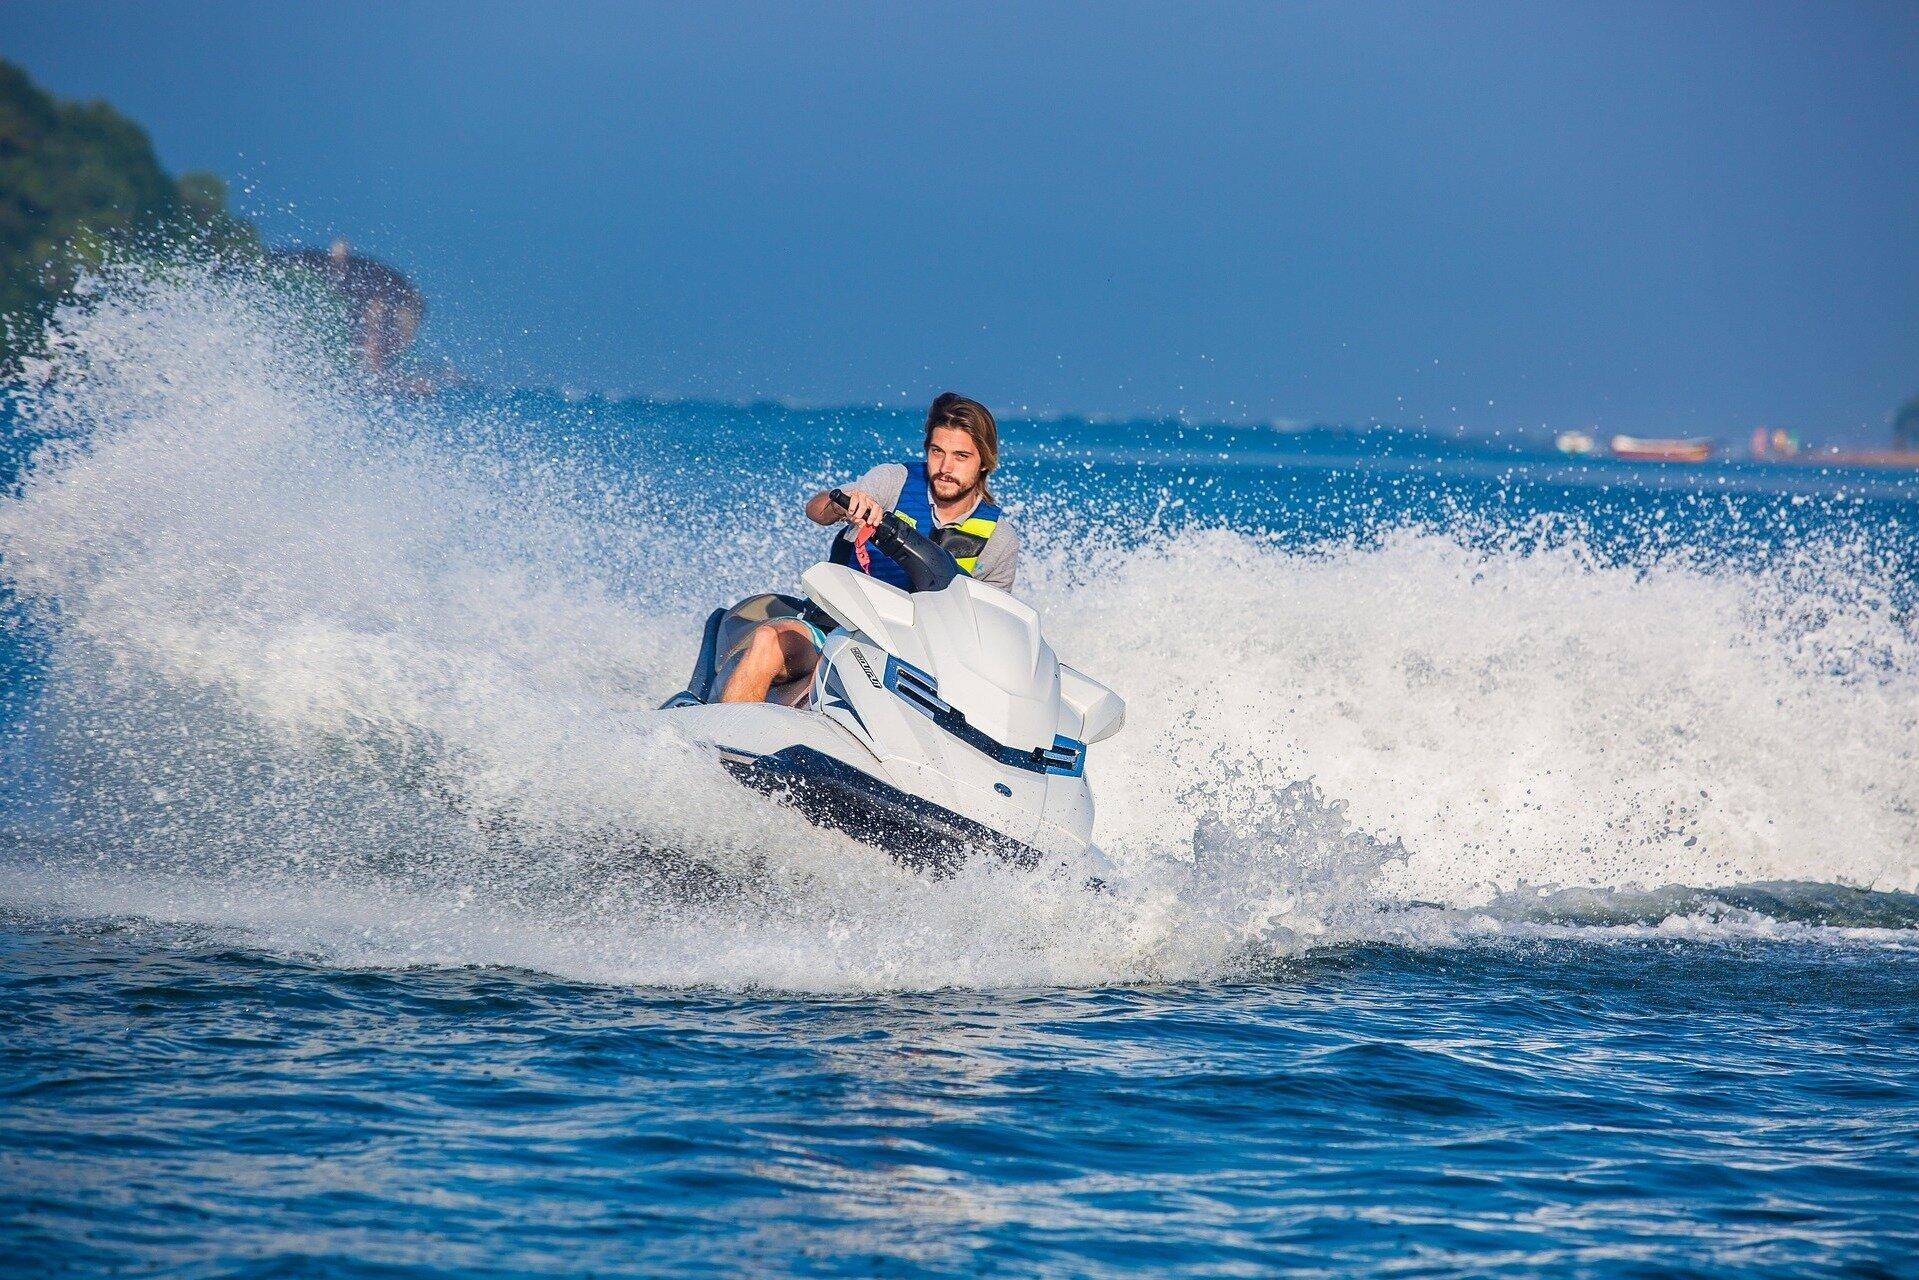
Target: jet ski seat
[{"x": 727, "y": 633}]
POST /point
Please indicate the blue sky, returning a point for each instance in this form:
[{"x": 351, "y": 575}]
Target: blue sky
[{"x": 1645, "y": 217}]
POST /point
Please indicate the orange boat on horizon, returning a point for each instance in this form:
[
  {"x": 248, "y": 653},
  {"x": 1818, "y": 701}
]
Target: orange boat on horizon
[{"x": 1634, "y": 449}]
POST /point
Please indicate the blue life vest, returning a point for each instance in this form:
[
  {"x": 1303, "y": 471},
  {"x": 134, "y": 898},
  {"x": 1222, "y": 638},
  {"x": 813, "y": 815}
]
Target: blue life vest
[{"x": 963, "y": 541}]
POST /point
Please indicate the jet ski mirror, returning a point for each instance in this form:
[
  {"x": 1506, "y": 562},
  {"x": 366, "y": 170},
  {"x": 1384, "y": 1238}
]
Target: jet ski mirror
[
  {"x": 929, "y": 566},
  {"x": 1101, "y": 712}
]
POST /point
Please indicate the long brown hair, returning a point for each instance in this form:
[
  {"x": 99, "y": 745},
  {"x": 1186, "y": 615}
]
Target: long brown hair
[{"x": 955, "y": 411}]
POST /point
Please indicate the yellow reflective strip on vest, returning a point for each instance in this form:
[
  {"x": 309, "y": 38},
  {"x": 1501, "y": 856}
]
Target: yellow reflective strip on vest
[{"x": 972, "y": 525}]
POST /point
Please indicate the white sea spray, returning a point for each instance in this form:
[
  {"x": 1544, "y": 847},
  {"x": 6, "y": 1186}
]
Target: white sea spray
[{"x": 358, "y": 681}]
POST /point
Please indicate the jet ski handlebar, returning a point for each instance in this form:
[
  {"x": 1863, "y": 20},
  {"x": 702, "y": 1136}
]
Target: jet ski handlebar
[{"x": 929, "y": 566}]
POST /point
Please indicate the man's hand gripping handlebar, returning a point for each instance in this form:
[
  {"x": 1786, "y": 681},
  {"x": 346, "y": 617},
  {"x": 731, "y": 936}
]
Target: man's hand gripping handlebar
[
  {"x": 927, "y": 565},
  {"x": 859, "y": 508}
]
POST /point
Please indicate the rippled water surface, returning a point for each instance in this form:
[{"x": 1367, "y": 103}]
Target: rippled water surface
[
  {"x": 1624, "y": 1106},
  {"x": 1509, "y": 862}
]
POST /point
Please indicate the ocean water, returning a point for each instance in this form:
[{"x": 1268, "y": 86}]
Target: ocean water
[{"x": 1514, "y": 862}]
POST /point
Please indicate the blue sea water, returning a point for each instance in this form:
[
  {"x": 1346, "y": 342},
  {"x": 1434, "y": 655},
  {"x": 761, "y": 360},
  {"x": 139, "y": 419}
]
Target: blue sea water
[{"x": 1512, "y": 859}]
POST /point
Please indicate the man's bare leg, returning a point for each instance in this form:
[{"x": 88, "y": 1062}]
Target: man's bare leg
[{"x": 777, "y": 652}]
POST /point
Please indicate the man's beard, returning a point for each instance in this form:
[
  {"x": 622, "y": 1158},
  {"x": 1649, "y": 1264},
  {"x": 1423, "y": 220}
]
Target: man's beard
[{"x": 934, "y": 483}]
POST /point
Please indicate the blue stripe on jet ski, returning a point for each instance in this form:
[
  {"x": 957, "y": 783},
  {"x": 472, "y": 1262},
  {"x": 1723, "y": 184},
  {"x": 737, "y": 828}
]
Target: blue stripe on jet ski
[{"x": 919, "y": 690}]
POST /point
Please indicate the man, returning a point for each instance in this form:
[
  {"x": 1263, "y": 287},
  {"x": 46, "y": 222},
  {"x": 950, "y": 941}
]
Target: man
[{"x": 948, "y": 501}]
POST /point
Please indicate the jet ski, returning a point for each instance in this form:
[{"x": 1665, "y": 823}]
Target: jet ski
[{"x": 938, "y": 724}]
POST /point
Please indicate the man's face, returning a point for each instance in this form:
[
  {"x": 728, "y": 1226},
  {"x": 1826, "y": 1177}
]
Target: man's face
[{"x": 952, "y": 464}]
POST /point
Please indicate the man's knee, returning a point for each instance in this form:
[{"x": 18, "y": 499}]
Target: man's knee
[{"x": 763, "y": 648}]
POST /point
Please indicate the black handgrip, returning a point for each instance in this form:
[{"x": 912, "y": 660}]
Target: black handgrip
[
  {"x": 928, "y": 565},
  {"x": 840, "y": 499}
]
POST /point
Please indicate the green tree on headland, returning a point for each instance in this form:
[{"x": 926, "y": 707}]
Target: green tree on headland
[{"x": 77, "y": 181}]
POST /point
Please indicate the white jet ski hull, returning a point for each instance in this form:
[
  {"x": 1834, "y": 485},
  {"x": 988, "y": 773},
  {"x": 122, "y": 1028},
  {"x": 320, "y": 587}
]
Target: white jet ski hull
[{"x": 878, "y": 749}]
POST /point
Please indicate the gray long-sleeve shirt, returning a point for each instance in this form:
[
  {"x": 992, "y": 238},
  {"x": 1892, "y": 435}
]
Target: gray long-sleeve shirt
[{"x": 998, "y": 559}]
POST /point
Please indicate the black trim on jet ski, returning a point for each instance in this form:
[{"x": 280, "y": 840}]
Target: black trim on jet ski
[
  {"x": 829, "y": 793},
  {"x": 699, "y": 685}
]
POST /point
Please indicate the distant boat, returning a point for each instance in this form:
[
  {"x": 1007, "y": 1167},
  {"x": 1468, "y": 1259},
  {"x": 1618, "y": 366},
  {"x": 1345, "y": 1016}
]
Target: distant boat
[
  {"x": 1634, "y": 449},
  {"x": 1863, "y": 458},
  {"x": 1577, "y": 443}
]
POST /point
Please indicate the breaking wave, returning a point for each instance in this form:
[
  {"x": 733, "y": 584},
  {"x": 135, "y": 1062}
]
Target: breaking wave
[{"x": 372, "y": 681}]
